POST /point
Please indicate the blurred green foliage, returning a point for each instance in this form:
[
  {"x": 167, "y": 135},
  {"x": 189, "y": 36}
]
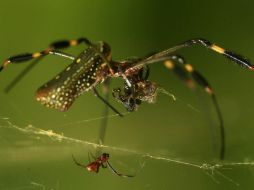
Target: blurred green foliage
[{"x": 167, "y": 128}]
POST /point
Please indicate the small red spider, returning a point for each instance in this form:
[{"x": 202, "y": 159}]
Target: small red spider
[{"x": 101, "y": 161}]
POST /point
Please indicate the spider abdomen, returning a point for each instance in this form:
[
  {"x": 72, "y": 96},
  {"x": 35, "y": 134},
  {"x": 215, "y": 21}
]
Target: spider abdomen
[{"x": 86, "y": 71}]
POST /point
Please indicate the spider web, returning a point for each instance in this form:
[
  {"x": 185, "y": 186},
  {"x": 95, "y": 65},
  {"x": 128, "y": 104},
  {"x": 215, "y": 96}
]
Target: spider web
[
  {"x": 45, "y": 142},
  {"x": 214, "y": 170}
]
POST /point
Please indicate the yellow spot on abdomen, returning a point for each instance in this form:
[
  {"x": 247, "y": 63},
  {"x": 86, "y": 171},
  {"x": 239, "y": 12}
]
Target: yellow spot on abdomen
[{"x": 78, "y": 60}]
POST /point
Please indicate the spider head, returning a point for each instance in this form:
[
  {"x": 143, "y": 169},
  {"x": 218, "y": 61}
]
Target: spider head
[
  {"x": 132, "y": 97},
  {"x": 104, "y": 157},
  {"x": 129, "y": 102}
]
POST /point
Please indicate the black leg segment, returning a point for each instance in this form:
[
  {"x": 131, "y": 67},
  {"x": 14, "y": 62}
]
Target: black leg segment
[
  {"x": 105, "y": 102},
  {"x": 184, "y": 73}
]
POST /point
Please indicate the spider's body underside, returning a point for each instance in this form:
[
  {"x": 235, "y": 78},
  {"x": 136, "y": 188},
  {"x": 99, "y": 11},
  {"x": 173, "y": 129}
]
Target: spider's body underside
[{"x": 94, "y": 65}]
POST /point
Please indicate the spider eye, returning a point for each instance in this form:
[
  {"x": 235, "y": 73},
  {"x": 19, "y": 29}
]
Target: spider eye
[
  {"x": 138, "y": 101},
  {"x": 130, "y": 104},
  {"x": 131, "y": 101},
  {"x": 105, "y": 155},
  {"x": 127, "y": 90}
]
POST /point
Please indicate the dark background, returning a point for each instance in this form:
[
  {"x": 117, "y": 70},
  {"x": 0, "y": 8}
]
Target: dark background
[{"x": 167, "y": 129}]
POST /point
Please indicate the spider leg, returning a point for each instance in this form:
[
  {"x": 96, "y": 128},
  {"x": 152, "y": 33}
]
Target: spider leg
[
  {"x": 39, "y": 55},
  {"x": 129, "y": 97},
  {"x": 106, "y": 102},
  {"x": 52, "y": 49},
  {"x": 67, "y": 43},
  {"x": 29, "y": 56},
  {"x": 89, "y": 154},
  {"x": 183, "y": 73},
  {"x": 163, "y": 55},
  {"x": 26, "y": 57},
  {"x": 104, "y": 165},
  {"x": 21, "y": 75},
  {"x": 104, "y": 121},
  {"x": 115, "y": 172},
  {"x": 89, "y": 158},
  {"x": 77, "y": 163},
  {"x": 144, "y": 72}
]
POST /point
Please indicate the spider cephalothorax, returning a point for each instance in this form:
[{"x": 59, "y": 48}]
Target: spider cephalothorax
[{"x": 137, "y": 88}]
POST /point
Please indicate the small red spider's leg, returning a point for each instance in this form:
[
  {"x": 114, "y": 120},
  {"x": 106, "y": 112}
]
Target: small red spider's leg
[
  {"x": 115, "y": 172},
  {"x": 104, "y": 165},
  {"x": 77, "y": 163},
  {"x": 91, "y": 167},
  {"x": 200, "y": 80}
]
